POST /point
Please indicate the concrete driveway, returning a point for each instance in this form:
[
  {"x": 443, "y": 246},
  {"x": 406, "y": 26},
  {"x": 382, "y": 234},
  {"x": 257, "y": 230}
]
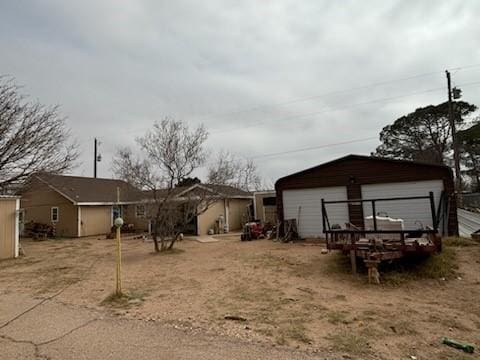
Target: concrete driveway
[{"x": 48, "y": 329}]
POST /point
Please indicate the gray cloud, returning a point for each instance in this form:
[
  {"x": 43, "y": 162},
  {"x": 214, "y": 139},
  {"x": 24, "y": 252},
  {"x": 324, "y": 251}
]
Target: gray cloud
[{"x": 115, "y": 67}]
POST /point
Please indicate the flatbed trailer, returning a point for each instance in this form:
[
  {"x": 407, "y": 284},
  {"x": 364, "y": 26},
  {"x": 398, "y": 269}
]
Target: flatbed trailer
[{"x": 356, "y": 241}]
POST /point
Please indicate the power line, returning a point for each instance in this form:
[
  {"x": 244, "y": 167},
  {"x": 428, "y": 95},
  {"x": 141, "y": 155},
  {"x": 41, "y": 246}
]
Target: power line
[
  {"x": 336, "y": 92},
  {"x": 348, "y": 106},
  {"x": 312, "y": 148},
  {"x": 289, "y": 102},
  {"x": 332, "y": 144}
]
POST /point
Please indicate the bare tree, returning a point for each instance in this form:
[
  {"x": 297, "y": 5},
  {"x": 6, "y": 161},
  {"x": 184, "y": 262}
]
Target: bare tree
[
  {"x": 170, "y": 153},
  {"x": 229, "y": 170},
  {"x": 133, "y": 170},
  {"x": 33, "y": 138}
]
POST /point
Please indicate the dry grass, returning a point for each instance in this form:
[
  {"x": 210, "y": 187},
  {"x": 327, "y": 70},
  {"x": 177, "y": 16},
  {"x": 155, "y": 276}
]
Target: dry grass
[
  {"x": 349, "y": 343},
  {"x": 459, "y": 241},
  {"x": 441, "y": 266},
  {"x": 124, "y": 300},
  {"x": 166, "y": 252},
  {"x": 294, "y": 330},
  {"x": 400, "y": 327},
  {"x": 437, "y": 266},
  {"x": 338, "y": 263},
  {"x": 337, "y": 317},
  {"x": 290, "y": 294}
]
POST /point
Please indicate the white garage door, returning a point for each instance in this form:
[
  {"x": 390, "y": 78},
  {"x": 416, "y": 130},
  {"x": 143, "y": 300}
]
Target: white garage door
[
  {"x": 412, "y": 212},
  {"x": 308, "y": 203}
]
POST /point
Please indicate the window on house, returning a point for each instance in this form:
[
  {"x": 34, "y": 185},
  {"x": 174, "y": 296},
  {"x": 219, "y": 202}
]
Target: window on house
[
  {"x": 269, "y": 201},
  {"x": 116, "y": 212},
  {"x": 140, "y": 211},
  {"x": 54, "y": 214}
]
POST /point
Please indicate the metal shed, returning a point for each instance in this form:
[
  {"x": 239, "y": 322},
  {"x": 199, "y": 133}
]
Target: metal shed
[
  {"x": 9, "y": 226},
  {"x": 353, "y": 177},
  {"x": 264, "y": 206}
]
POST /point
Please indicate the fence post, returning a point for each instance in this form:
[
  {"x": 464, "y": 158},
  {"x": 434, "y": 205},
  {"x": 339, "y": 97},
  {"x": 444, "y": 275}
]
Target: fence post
[
  {"x": 432, "y": 208},
  {"x": 323, "y": 215}
]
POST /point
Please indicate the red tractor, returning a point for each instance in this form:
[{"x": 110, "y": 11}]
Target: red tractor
[{"x": 253, "y": 231}]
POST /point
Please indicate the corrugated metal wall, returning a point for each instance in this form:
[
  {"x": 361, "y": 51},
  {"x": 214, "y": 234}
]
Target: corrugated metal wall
[
  {"x": 468, "y": 222},
  {"x": 8, "y": 228}
]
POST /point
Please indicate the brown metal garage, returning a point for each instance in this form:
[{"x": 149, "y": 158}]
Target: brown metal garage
[{"x": 355, "y": 177}]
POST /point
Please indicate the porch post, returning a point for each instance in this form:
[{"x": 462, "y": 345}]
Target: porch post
[
  {"x": 79, "y": 221},
  {"x": 227, "y": 217}
]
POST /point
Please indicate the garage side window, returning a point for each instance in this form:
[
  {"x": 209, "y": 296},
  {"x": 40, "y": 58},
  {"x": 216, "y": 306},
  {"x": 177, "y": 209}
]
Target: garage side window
[
  {"x": 140, "y": 211},
  {"x": 54, "y": 214}
]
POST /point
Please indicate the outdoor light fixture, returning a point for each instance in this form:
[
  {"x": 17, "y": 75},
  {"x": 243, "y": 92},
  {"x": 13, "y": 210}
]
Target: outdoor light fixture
[
  {"x": 118, "y": 222},
  {"x": 457, "y": 93}
]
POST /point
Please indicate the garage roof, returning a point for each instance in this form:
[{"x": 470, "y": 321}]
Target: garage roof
[{"x": 362, "y": 157}]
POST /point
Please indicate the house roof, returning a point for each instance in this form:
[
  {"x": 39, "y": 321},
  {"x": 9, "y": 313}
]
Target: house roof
[
  {"x": 226, "y": 191},
  {"x": 84, "y": 190},
  {"x": 96, "y": 191},
  {"x": 362, "y": 157}
]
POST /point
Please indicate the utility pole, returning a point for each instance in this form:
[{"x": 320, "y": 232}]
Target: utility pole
[
  {"x": 95, "y": 158},
  {"x": 456, "y": 152}
]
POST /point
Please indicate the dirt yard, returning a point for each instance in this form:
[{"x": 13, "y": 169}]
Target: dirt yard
[{"x": 288, "y": 294}]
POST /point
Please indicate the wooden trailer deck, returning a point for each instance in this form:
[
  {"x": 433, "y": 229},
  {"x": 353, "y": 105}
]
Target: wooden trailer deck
[{"x": 374, "y": 246}]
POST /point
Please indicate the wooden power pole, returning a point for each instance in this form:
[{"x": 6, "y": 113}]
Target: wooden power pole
[
  {"x": 95, "y": 158},
  {"x": 456, "y": 152}
]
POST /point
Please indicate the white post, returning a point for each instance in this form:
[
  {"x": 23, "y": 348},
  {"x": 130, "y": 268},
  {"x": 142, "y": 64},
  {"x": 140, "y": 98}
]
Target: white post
[
  {"x": 79, "y": 221},
  {"x": 227, "y": 216},
  {"x": 17, "y": 227},
  {"x": 118, "y": 257}
]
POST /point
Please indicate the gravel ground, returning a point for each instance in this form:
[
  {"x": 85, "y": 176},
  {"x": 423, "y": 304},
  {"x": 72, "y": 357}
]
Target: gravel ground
[
  {"x": 296, "y": 302},
  {"x": 48, "y": 329}
]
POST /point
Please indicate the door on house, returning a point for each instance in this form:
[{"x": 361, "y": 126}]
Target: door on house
[
  {"x": 21, "y": 221},
  {"x": 116, "y": 212}
]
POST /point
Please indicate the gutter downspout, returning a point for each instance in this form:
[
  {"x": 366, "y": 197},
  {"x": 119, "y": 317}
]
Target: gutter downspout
[
  {"x": 227, "y": 217},
  {"x": 17, "y": 228},
  {"x": 79, "y": 221}
]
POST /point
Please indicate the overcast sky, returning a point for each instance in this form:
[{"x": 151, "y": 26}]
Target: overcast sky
[{"x": 263, "y": 76}]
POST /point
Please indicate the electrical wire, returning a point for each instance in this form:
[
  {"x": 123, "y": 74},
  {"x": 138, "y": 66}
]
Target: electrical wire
[
  {"x": 348, "y": 106},
  {"x": 297, "y": 100},
  {"x": 336, "y": 92},
  {"x": 312, "y": 148},
  {"x": 269, "y": 155}
]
